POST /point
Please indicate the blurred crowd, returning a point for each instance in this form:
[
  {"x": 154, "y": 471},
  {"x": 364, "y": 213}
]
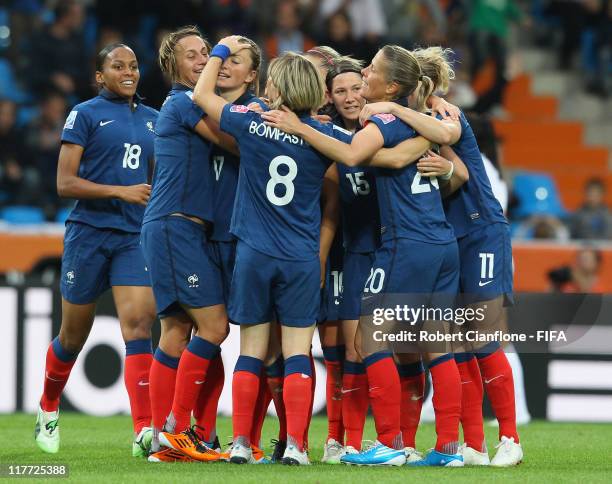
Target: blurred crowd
[{"x": 47, "y": 51}]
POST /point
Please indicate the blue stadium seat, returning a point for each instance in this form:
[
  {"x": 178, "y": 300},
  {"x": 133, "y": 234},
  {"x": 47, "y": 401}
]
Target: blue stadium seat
[
  {"x": 22, "y": 214},
  {"x": 537, "y": 194},
  {"x": 62, "y": 214}
]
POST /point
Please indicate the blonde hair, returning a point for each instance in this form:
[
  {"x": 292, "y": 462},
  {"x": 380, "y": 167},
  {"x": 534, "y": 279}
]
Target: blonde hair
[
  {"x": 435, "y": 64},
  {"x": 403, "y": 68},
  {"x": 328, "y": 55},
  {"x": 167, "y": 49},
  {"x": 298, "y": 83},
  {"x": 255, "y": 53}
]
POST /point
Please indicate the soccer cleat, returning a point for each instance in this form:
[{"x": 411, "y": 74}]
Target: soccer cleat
[
  {"x": 349, "y": 449},
  {"x": 169, "y": 455},
  {"x": 189, "y": 443},
  {"x": 376, "y": 455},
  {"x": 46, "y": 431},
  {"x": 279, "y": 450},
  {"x": 141, "y": 446},
  {"x": 412, "y": 455},
  {"x": 259, "y": 457},
  {"x": 472, "y": 457},
  {"x": 294, "y": 457},
  {"x": 332, "y": 451},
  {"x": 214, "y": 445},
  {"x": 509, "y": 453},
  {"x": 438, "y": 459},
  {"x": 241, "y": 454}
]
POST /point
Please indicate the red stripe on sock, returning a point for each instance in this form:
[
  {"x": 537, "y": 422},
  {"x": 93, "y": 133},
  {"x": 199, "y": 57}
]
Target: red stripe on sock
[
  {"x": 56, "y": 377},
  {"x": 264, "y": 398},
  {"x": 413, "y": 388},
  {"x": 355, "y": 403},
  {"x": 471, "y": 404},
  {"x": 136, "y": 378},
  {"x": 446, "y": 402},
  {"x": 297, "y": 392},
  {"x": 499, "y": 385},
  {"x": 245, "y": 389},
  {"x": 275, "y": 385},
  {"x": 333, "y": 396},
  {"x": 205, "y": 411},
  {"x": 162, "y": 382},
  {"x": 190, "y": 376},
  {"x": 385, "y": 397}
]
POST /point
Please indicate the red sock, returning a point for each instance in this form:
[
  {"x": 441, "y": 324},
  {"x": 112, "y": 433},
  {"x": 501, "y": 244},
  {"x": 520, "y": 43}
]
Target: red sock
[
  {"x": 245, "y": 390},
  {"x": 190, "y": 377},
  {"x": 313, "y": 384},
  {"x": 57, "y": 372},
  {"x": 205, "y": 411},
  {"x": 471, "y": 401},
  {"x": 264, "y": 398},
  {"x": 499, "y": 384},
  {"x": 136, "y": 378},
  {"x": 385, "y": 397},
  {"x": 355, "y": 402},
  {"x": 412, "y": 381},
  {"x": 162, "y": 382},
  {"x": 275, "y": 385},
  {"x": 446, "y": 402},
  {"x": 297, "y": 393},
  {"x": 333, "y": 396}
]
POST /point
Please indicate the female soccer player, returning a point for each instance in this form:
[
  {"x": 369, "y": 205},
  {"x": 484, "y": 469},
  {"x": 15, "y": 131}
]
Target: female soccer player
[
  {"x": 186, "y": 282},
  {"x": 276, "y": 220},
  {"x": 486, "y": 272},
  {"x": 416, "y": 239},
  {"x": 107, "y": 148}
]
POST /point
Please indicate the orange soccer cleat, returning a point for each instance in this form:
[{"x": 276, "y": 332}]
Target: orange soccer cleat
[
  {"x": 169, "y": 455},
  {"x": 189, "y": 443}
]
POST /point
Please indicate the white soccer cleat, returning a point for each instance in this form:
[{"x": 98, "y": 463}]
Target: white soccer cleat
[
  {"x": 293, "y": 457},
  {"x": 508, "y": 454},
  {"x": 332, "y": 452},
  {"x": 412, "y": 455},
  {"x": 46, "y": 432},
  {"x": 349, "y": 450},
  {"x": 471, "y": 457},
  {"x": 241, "y": 454}
]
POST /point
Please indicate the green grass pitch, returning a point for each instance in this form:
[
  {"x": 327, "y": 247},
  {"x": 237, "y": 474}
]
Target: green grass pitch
[{"x": 99, "y": 450}]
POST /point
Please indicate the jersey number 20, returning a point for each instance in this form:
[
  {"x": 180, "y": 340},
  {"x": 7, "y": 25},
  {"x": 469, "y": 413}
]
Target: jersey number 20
[
  {"x": 277, "y": 179},
  {"x": 131, "y": 158},
  {"x": 418, "y": 187}
]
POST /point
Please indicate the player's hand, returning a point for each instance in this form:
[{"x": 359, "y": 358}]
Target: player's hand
[
  {"x": 135, "y": 193},
  {"x": 370, "y": 110},
  {"x": 234, "y": 43},
  {"x": 283, "y": 119},
  {"x": 444, "y": 108},
  {"x": 433, "y": 164},
  {"x": 322, "y": 118}
]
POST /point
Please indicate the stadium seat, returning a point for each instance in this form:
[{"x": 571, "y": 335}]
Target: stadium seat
[
  {"x": 62, "y": 215},
  {"x": 22, "y": 214},
  {"x": 9, "y": 88},
  {"x": 537, "y": 194}
]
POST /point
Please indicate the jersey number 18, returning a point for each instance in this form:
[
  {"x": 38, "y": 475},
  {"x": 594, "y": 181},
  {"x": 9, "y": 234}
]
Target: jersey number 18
[{"x": 131, "y": 158}]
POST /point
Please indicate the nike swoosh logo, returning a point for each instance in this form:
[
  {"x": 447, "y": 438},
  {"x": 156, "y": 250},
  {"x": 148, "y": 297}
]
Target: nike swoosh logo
[
  {"x": 199, "y": 382},
  {"x": 104, "y": 123},
  {"x": 373, "y": 388},
  {"x": 480, "y": 283},
  {"x": 365, "y": 298},
  {"x": 143, "y": 383},
  {"x": 416, "y": 398},
  {"x": 494, "y": 378},
  {"x": 466, "y": 382},
  {"x": 52, "y": 379},
  {"x": 349, "y": 390}
]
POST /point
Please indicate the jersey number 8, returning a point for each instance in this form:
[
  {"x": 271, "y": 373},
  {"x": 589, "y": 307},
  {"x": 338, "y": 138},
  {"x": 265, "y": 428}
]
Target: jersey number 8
[
  {"x": 277, "y": 179},
  {"x": 131, "y": 158}
]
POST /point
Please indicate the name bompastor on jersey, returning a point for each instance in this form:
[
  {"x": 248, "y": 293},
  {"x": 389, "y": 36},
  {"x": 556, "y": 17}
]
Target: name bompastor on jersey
[{"x": 261, "y": 129}]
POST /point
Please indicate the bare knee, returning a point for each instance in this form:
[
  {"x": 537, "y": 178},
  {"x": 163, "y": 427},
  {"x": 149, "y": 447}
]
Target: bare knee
[{"x": 137, "y": 326}]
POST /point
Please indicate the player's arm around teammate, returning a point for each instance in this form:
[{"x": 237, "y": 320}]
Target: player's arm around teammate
[{"x": 107, "y": 144}]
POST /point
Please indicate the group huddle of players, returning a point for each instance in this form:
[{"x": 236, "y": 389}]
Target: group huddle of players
[{"x": 340, "y": 191}]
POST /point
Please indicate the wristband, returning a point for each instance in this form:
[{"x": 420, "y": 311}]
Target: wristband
[
  {"x": 449, "y": 175},
  {"x": 221, "y": 51}
]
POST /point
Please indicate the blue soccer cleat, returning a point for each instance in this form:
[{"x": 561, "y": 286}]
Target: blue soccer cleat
[
  {"x": 376, "y": 455},
  {"x": 438, "y": 459}
]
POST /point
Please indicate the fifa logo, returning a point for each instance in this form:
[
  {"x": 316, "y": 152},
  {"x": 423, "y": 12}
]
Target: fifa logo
[
  {"x": 150, "y": 126},
  {"x": 193, "y": 280},
  {"x": 70, "y": 277}
]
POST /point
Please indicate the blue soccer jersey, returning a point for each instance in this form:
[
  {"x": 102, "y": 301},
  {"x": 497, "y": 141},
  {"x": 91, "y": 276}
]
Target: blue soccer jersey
[
  {"x": 224, "y": 167},
  {"x": 118, "y": 149},
  {"x": 410, "y": 205},
  {"x": 277, "y": 208},
  {"x": 182, "y": 181},
  {"x": 473, "y": 205}
]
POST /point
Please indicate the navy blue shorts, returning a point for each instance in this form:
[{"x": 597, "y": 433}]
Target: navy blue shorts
[
  {"x": 357, "y": 268},
  {"x": 486, "y": 264},
  {"x": 224, "y": 256},
  {"x": 265, "y": 288},
  {"x": 413, "y": 273},
  {"x": 95, "y": 259},
  {"x": 332, "y": 293},
  {"x": 182, "y": 270}
]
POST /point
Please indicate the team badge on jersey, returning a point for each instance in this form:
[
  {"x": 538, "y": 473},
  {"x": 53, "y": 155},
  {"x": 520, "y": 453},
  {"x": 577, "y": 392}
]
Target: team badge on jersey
[
  {"x": 70, "y": 120},
  {"x": 150, "y": 126},
  {"x": 385, "y": 117},
  {"x": 237, "y": 108}
]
